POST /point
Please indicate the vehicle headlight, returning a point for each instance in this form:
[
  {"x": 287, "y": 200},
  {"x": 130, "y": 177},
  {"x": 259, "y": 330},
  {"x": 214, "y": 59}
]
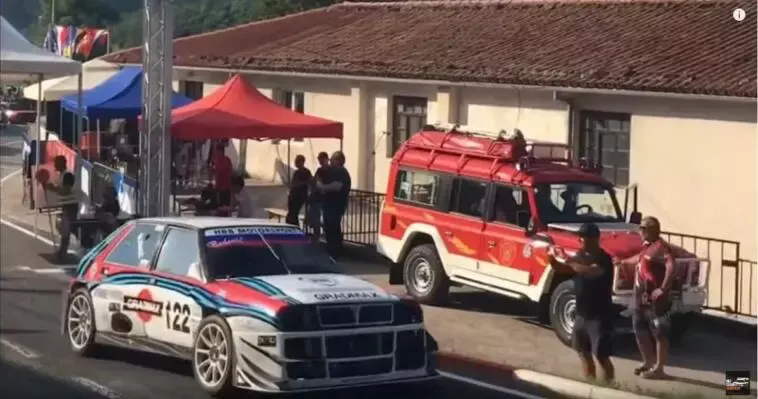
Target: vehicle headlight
[
  {"x": 298, "y": 318},
  {"x": 408, "y": 312}
]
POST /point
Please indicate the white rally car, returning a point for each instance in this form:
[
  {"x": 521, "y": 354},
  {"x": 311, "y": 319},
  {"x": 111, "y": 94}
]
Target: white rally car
[{"x": 251, "y": 303}]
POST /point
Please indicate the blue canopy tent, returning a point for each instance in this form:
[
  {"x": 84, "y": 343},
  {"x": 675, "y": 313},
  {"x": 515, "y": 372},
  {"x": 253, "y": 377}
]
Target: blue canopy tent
[{"x": 119, "y": 97}]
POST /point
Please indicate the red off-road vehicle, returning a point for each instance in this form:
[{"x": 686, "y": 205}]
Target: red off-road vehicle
[{"x": 477, "y": 209}]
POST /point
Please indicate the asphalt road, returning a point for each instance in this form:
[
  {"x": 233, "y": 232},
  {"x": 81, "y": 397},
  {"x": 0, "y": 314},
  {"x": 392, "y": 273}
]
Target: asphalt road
[
  {"x": 36, "y": 361},
  {"x": 11, "y": 143}
]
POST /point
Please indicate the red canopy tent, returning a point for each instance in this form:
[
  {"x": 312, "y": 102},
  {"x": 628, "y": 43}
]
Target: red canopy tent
[{"x": 238, "y": 110}]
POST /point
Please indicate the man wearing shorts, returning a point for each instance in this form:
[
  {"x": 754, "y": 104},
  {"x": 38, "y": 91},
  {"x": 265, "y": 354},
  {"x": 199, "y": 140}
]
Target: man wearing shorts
[
  {"x": 593, "y": 283},
  {"x": 653, "y": 282}
]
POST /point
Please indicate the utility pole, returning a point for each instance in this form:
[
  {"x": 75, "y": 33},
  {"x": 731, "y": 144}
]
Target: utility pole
[
  {"x": 52, "y": 12},
  {"x": 154, "y": 177}
]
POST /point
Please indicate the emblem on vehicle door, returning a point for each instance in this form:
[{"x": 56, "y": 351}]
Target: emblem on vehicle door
[{"x": 527, "y": 251}]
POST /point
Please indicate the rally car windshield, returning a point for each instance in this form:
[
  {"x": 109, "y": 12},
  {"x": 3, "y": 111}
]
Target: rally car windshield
[
  {"x": 577, "y": 203},
  {"x": 265, "y": 251}
]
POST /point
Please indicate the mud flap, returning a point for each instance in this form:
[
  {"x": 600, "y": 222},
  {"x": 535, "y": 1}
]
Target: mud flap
[{"x": 396, "y": 274}]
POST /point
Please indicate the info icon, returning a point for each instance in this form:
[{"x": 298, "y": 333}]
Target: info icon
[{"x": 737, "y": 383}]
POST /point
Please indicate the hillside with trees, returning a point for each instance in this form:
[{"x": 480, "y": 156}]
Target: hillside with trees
[{"x": 124, "y": 17}]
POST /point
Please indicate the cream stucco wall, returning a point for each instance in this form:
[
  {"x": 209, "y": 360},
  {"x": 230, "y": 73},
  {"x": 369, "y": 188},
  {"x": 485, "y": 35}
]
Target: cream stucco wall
[{"x": 694, "y": 161}]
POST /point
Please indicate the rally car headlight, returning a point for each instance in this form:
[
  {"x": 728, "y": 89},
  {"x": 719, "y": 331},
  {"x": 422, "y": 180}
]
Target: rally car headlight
[
  {"x": 298, "y": 318},
  {"x": 408, "y": 312}
]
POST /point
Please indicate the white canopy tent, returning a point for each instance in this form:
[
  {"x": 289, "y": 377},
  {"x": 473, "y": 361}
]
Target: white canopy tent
[
  {"x": 20, "y": 61},
  {"x": 94, "y": 72}
]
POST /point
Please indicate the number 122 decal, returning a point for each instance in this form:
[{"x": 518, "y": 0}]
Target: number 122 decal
[{"x": 177, "y": 317}]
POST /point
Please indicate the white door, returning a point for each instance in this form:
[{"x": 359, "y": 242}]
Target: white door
[{"x": 176, "y": 277}]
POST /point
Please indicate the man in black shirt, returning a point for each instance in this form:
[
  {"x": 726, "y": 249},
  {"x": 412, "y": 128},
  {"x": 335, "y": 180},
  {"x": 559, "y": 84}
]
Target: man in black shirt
[
  {"x": 336, "y": 192},
  {"x": 316, "y": 199},
  {"x": 593, "y": 283},
  {"x": 298, "y": 193}
]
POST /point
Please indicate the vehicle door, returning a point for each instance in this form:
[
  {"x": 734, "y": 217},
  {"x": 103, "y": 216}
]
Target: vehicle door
[
  {"x": 461, "y": 227},
  {"x": 505, "y": 249},
  {"x": 177, "y": 281},
  {"x": 122, "y": 300}
]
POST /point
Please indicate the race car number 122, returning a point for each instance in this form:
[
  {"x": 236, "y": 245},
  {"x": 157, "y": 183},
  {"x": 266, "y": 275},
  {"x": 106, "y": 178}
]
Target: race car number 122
[{"x": 177, "y": 317}]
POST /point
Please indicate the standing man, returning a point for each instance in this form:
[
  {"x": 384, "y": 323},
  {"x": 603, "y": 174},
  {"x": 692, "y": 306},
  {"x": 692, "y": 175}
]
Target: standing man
[
  {"x": 298, "y": 192},
  {"x": 336, "y": 190},
  {"x": 222, "y": 175},
  {"x": 316, "y": 199},
  {"x": 63, "y": 186},
  {"x": 593, "y": 282},
  {"x": 653, "y": 280}
]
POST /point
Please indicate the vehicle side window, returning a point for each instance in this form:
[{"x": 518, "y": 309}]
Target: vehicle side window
[
  {"x": 138, "y": 247},
  {"x": 418, "y": 187},
  {"x": 511, "y": 206},
  {"x": 180, "y": 254},
  {"x": 468, "y": 197}
]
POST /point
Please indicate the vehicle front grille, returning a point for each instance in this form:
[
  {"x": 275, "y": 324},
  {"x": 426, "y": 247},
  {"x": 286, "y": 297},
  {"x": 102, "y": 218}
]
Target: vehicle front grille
[
  {"x": 353, "y": 355},
  {"x": 355, "y": 315},
  {"x": 363, "y": 345}
]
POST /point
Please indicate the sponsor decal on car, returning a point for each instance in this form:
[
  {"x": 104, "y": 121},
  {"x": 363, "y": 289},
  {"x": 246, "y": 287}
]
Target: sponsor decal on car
[
  {"x": 144, "y": 305},
  {"x": 347, "y": 296}
]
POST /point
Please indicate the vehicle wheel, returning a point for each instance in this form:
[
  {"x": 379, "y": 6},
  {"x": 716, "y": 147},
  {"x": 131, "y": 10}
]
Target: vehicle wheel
[
  {"x": 213, "y": 357},
  {"x": 425, "y": 278},
  {"x": 80, "y": 323},
  {"x": 563, "y": 310}
]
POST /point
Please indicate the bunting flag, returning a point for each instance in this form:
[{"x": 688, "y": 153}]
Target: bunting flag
[
  {"x": 51, "y": 40},
  {"x": 81, "y": 44}
]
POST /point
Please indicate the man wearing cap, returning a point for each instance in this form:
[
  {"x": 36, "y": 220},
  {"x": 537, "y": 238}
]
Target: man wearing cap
[
  {"x": 593, "y": 283},
  {"x": 653, "y": 281}
]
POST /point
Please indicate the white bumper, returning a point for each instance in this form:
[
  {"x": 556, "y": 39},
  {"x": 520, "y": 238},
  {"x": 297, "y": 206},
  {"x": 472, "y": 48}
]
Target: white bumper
[{"x": 264, "y": 364}]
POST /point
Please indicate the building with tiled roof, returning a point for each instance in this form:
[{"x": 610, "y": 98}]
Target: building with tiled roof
[{"x": 663, "y": 92}]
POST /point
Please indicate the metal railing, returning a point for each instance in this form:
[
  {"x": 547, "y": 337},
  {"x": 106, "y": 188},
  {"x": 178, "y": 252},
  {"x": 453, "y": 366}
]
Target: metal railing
[{"x": 731, "y": 278}]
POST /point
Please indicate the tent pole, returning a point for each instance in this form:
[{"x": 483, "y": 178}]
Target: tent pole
[
  {"x": 340, "y": 144},
  {"x": 289, "y": 163},
  {"x": 35, "y": 189},
  {"x": 97, "y": 145},
  {"x": 78, "y": 132}
]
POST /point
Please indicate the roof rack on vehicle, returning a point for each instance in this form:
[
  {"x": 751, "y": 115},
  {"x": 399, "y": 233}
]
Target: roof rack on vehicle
[{"x": 497, "y": 147}]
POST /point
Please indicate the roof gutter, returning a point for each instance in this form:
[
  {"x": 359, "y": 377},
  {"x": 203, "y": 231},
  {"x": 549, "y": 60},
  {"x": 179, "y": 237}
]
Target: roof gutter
[{"x": 568, "y": 90}]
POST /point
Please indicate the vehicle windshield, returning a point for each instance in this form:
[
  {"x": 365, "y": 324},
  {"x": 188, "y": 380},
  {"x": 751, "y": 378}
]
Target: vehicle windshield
[
  {"x": 577, "y": 203},
  {"x": 263, "y": 251}
]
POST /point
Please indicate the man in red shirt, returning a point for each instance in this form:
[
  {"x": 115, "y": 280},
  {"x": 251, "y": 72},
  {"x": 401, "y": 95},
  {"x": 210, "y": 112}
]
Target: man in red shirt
[
  {"x": 653, "y": 280},
  {"x": 222, "y": 175}
]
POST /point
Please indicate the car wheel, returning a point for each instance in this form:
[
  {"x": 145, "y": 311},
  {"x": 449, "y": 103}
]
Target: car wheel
[
  {"x": 213, "y": 357},
  {"x": 425, "y": 278},
  {"x": 563, "y": 310},
  {"x": 80, "y": 323}
]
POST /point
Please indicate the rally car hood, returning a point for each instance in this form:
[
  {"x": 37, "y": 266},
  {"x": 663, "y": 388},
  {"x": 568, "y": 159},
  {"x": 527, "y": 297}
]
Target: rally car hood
[{"x": 316, "y": 288}]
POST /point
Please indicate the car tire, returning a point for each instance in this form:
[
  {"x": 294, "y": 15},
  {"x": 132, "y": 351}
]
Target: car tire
[
  {"x": 563, "y": 310},
  {"x": 204, "y": 348},
  {"x": 424, "y": 276},
  {"x": 80, "y": 323}
]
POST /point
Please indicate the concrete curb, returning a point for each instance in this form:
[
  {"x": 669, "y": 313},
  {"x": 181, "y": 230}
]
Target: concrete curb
[{"x": 575, "y": 389}]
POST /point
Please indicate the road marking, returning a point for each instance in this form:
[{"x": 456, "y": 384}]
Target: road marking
[
  {"x": 97, "y": 388},
  {"x": 10, "y": 175},
  {"x": 488, "y": 386},
  {"x": 31, "y": 234},
  {"x": 14, "y": 142},
  {"x": 27, "y": 353}
]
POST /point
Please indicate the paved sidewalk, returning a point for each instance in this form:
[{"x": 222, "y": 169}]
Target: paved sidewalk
[{"x": 500, "y": 335}]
